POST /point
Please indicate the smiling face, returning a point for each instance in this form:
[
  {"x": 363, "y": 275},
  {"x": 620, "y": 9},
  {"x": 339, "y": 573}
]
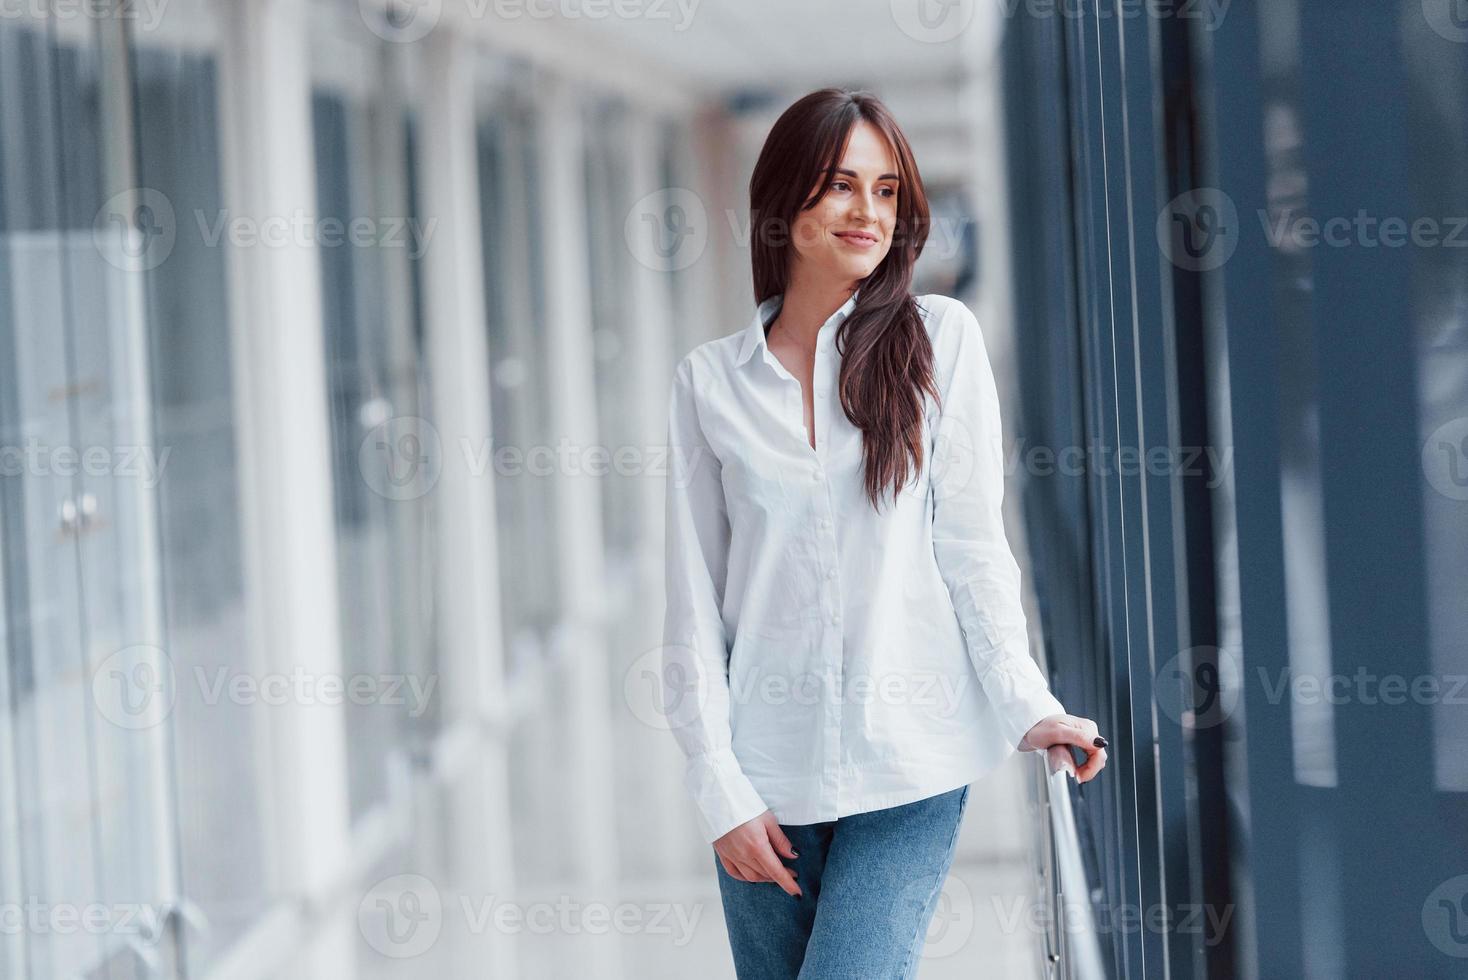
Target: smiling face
[{"x": 849, "y": 231}]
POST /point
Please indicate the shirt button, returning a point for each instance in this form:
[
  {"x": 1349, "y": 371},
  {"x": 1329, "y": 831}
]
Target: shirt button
[
  {"x": 835, "y": 617},
  {"x": 831, "y": 573},
  {"x": 825, "y": 523},
  {"x": 815, "y": 475}
]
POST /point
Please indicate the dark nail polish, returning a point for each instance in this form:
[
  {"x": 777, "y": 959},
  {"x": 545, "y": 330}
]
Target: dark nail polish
[{"x": 1099, "y": 742}]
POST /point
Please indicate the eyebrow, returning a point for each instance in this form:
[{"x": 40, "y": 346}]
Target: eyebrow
[{"x": 852, "y": 173}]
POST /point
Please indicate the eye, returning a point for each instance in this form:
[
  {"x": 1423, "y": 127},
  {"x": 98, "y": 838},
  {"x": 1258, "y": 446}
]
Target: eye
[
  {"x": 839, "y": 183},
  {"x": 891, "y": 191}
]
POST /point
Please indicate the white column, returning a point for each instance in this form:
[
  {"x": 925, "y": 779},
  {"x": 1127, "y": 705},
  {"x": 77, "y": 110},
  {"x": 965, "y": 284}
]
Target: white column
[
  {"x": 588, "y": 768},
  {"x": 285, "y": 455},
  {"x": 652, "y": 357},
  {"x": 479, "y": 847}
]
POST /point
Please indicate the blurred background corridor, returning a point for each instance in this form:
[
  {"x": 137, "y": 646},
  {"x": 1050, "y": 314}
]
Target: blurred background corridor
[{"x": 335, "y": 345}]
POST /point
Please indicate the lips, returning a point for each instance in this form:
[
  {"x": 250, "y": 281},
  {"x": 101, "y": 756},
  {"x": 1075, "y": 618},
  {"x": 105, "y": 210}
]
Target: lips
[{"x": 860, "y": 238}]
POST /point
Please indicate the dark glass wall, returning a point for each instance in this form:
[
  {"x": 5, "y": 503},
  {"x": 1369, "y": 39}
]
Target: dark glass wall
[{"x": 1245, "y": 425}]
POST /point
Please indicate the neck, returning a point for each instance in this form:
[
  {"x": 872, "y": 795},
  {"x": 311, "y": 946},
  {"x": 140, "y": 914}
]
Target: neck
[{"x": 809, "y": 304}]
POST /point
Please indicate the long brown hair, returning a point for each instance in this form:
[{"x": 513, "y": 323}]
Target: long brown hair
[{"x": 886, "y": 356}]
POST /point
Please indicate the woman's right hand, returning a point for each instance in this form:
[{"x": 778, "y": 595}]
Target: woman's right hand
[{"x": 748, "y": 853}]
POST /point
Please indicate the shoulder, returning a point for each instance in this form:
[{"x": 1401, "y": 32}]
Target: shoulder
[
  {"x": 952, "y": 327},
  {"x": 707, "y": 361},
  {"x": 940, "y": 312},
  {"x": 703, "y": 375}
]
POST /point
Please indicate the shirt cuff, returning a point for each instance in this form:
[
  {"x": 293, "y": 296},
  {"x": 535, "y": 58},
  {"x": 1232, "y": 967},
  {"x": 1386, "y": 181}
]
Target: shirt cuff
[
  {"x": 1016, "y": 687},
  {"x": 723, "y": 796}
]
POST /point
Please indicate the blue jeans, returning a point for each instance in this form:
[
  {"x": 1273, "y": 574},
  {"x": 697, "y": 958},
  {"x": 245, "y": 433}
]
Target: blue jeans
[{"x": 870, "y": 884}]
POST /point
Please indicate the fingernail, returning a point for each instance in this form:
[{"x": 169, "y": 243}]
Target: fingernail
[
  {"x": 794, "y": 853},
  {"x": 1099, "y": 742}
]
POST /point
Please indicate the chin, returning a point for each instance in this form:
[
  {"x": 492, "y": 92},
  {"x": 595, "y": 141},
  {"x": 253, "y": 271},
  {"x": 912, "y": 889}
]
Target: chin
[{"x": 856, "y": 269}]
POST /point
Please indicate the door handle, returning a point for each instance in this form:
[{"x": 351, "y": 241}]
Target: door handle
[
  {"x": 86, "y": 510},
  {"x": 69, "y": 516},
  {"x": 76, "y": 515}
]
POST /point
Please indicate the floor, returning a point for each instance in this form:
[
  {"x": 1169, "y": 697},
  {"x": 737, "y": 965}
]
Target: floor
[{"x": 674, "y": 930}]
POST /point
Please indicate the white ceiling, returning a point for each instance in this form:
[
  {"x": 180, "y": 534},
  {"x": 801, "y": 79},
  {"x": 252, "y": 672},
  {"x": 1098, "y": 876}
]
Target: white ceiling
[{"x": 734, "y": 45}]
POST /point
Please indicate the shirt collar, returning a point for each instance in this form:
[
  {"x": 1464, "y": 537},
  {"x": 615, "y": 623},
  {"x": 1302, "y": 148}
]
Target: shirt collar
[{"x": 754, "y": 334}]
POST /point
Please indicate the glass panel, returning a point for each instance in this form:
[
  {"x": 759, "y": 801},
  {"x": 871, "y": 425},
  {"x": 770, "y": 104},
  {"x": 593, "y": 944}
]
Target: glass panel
[
  {"x": 220, "y": 788},
  {"x": 107, "y": 244},
  {"x": 676, "y": 169},
  {"x": 52, "y": 849},
  {"x": 524, "y": 471},
  {"x": 1302, "y": 516},
  {"x": 374, "y": 364},
  {"x": 608, "y": 201},
  {"x": 1438, "y": 124},
  {"x": 415, "y": 524},
  {"x": 519, "y": 362}
]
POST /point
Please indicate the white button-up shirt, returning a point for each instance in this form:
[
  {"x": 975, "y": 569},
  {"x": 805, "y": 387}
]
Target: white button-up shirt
[{"x": 821, "y": 659}]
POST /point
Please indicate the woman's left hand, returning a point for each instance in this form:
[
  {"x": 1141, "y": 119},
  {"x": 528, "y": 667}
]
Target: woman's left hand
[{"x": 1055, "y": 732}]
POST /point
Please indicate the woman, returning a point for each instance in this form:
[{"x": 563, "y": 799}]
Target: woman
[{"x": 844, "y": 647}]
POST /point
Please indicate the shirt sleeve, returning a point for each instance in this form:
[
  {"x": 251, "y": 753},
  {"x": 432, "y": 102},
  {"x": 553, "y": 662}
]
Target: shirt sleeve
[
  {"x": 973, "y": 554},
  {"x": 695, "y": 660}
]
